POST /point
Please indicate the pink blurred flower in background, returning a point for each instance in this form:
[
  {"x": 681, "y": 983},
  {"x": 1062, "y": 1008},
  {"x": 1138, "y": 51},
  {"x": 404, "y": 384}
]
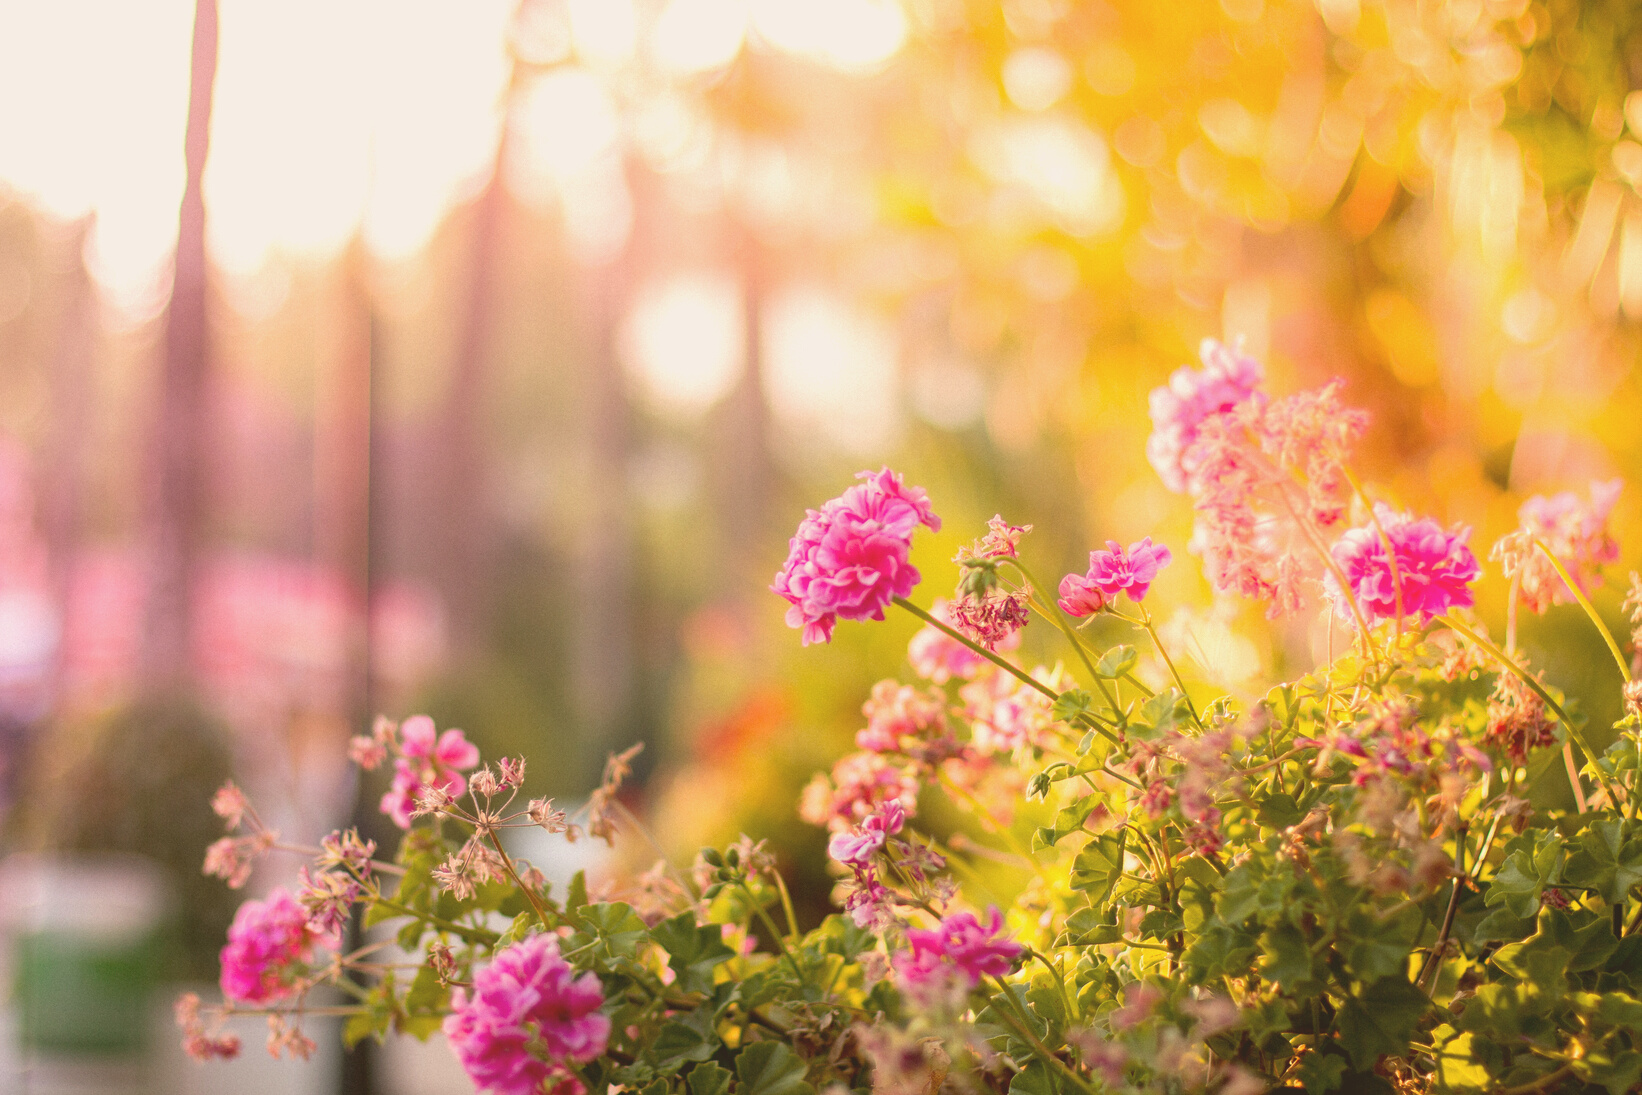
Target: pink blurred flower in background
[
  {"x": 1179, "y": 408},
  {"x": 938, "y": 657},
  {"x": 1574, "y": 530},
  {"x": 849, "y": 558},
  {"x": 265, "y": 940},
  {"x": 528, "y": 1000},
  {"x": 428, "y": 760},
  {"x": 1434, "y": 567}
]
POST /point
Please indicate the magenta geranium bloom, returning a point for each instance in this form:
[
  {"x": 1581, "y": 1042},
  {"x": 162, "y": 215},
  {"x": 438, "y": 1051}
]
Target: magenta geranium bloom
[
  {"x": 849, "y": 558},
  {"x": 1434, "y": 566},
  {"x": 1112, "y": 571},
  {"x": 528, "y": 998},
  {"x": 960, "y": 947},
  {"x": 265, "y": 940}
]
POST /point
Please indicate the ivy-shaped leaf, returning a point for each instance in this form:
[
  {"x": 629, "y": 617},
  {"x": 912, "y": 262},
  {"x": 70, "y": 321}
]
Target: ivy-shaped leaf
[
  {"x": 1034, "y": 1079},
  {"x": 1525, "y": 874},
  {"x": 1608, "y": 860},
  {"x": 616, "y": 926},
  {"x": 1380, "y": 1020},
  {"x": 1116, "y": 662},
  {"x": 771, "y": 1068},
  {"x": 692, "y": 950},
  {"x": 1099, "y": 865},
  {"x": 709, "y": 1079}
]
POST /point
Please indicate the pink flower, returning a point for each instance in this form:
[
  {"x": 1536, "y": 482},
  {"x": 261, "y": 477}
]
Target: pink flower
[
  {"x": 1574, "y": 531},
  {"x": 860, "y": 784},
  {"x": 528, "y": 998},
  {"x": 265, "y": 940},
  {"x": 856, "y": 849},
  {"x": 960, "y": 948},
  {"x": 938, "y": 657},
  {"x": 1005, "y": 714},
  {"x": 1002, "y": 541},
  {"x": 903, "y": 719},
  {"x": 993, "y": 619},
  {"x": 1111, "y": 572},
  {"x": 1435, "y": 568},
  {"x": 429, "y": 761},
  {"x": 849, "y": 558},
  {"x": 1178, "y": 408},
  {"x": 421, "y": 741}
]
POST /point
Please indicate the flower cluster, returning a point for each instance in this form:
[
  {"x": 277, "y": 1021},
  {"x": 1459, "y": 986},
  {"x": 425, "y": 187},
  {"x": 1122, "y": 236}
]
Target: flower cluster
[
  {"x": 268, "y": 943},
  {"x": 1427, "y": 572},
  {"x": 1574, "y": 531},
  {"x": 424, "y": 760},
  {"x": 528, "y": 1014},
  {"x": 849, "y": 558},
  {"x": 960, "y": 951}
]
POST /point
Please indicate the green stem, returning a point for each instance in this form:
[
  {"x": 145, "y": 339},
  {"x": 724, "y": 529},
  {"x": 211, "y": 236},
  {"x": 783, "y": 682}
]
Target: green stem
[
  {"x": 1157, "y": 644},
  {"x": 775, "y": 932},
  {"x": 470, "y": 935},
  {"x": 1523, "y": 675},
  {"x": 1039, "y": 1050},
  {"x": 1590, "y": 610},
  {"x": 1059, "y": 616},
  {"x": 1013, "y": 670}
]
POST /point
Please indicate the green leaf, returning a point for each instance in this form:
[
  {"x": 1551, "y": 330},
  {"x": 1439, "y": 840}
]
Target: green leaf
[
  {"x": 1087, "y": 928},
  {"x": 676, "y": 1043},
  {"x": 1072, "y": 703},
  {"x": 616, "y": 925},
  {"x": 1377, "y": 949},
  {"x": 1525, "y": 874},
  {"x": 771, "y": 1068},
  {"x": 1502, "y": 925},
  {"x": 692, "y": 950},
  {"x": 1608, "y": 860},
  {"x": 1220, "y": 951},
  {"x": 1618, "y": 1072},
  {"x": 1067, "y": 822},
  {"x": 1279, "y": 811},
  {"x": 1321, "y": 1072},
  {"x": 1287, "y": 957},
  {"x": 1034, "y": 1079},
  {"x": 577, "y": 895},
  {"x": 426, "y": 993},
  {"x": 709, "y": 1079},
  {"x": 1116, "y": 662},
  {"x": 1099, "y": 865},
  {"x": 1380, "y": 1020}
]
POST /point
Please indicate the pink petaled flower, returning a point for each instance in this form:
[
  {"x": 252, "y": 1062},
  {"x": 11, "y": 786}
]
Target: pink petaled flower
[
  {"x": 849, "y": 558},
  {"x": 856, "y": 849},
  {"x": 528, "y": 999},
  {"x": 1434, "y": 568},
  {"x": 906, "y": 720},
  {"x": 861, "y": 783},
  {"x": 265, "y": 940},
  {"x": 422, "y": 741},
  {"x": 961, "y": 945},
  {"x": 1576, "y": 532},
  {"x": 408, "y": 789},
  {"x": 938, "y": 657},
  {"x": 1112, "y": 571},
  {"x": 1179, "y": 408},
  {"x": 1005, "y": 714}
]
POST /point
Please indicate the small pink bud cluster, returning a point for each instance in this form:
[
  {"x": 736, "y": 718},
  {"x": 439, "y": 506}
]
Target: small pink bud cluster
[
  {"x": 232, "y": 857},
  {"x": 200, "y": 1041},
  {"x": 427, "y": 767},
  {"x": 525, "y": 1018},
  {"x": 1112, "y": 571},
  {"x": 848, "y": 559},
  {"x": 938, "y": 657},
  {"x": 906, "y": 720}
]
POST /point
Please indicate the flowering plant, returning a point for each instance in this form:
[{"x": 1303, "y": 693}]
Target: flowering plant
[{"x": 1342, "y": 886}]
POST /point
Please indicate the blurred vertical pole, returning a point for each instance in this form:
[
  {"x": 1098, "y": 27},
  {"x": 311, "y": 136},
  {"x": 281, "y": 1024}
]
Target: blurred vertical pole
[
  {"x": 463, "y": 498},
  {"x": 71, "y": 397},
  {"x": 748, "y": 477},
  {"x": 346, "y": 529},
  {"x": 180, "y": 429},
  {"x": 342, "y": 456}
]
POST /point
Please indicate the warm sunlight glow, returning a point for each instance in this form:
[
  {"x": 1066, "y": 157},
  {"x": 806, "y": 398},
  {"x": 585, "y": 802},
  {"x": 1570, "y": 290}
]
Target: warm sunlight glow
[
  {"x": 318, "y": 108},
  {"x": 830, "y": 369},
  {"x": 699, "y": 35},
  {"x": 851, "y": 35},
  {"x": 684, "y": 341}
]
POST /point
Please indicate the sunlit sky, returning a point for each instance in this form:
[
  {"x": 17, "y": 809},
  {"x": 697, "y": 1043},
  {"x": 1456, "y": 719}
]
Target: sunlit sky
[{"x": 331, "y": 115}]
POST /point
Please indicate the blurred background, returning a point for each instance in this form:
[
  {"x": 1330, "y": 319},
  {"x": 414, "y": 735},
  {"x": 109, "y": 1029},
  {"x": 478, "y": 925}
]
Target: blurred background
[{"x": 479, "y": 358}]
